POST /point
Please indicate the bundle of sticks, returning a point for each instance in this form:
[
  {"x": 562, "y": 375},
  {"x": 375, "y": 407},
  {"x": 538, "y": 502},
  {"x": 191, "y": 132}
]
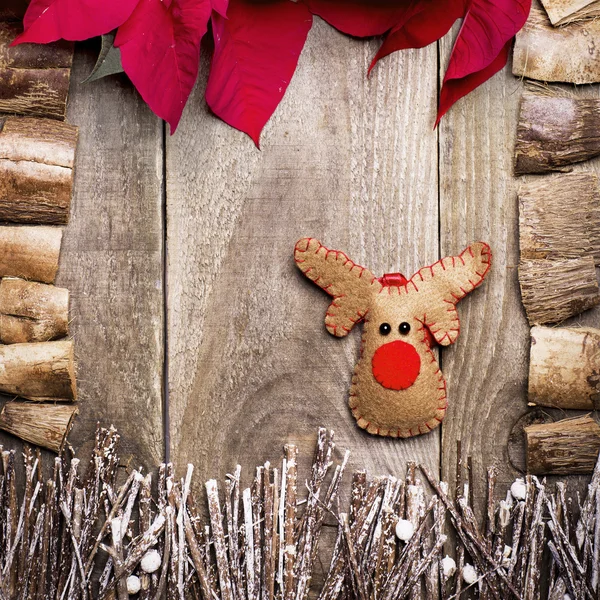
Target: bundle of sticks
[{"x": 108, "y": 533}]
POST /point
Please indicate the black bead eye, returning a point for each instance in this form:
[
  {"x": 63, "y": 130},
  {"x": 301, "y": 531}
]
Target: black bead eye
[
  {"x": 404, "y": 328},
  {"x": 384, "y": 328}
]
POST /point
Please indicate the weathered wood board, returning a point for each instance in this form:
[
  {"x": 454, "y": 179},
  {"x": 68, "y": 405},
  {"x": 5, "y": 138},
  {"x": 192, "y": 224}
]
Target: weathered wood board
[
  {"x": 111, "y": 262},
  {"x": 350, "y": 160},
  {"x": 487, "y": 368}
]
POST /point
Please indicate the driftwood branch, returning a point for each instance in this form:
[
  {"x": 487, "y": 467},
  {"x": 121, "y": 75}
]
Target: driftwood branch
[
  {"x": 565, "y": 447},
  {"x": 36, "y": 170},
  {"x": 561, "y": 12},
  {"x": 32, "y": 312},
  {"x": 556, "y": 130},
  {"x": 554, "y": 290},
  {"x": 34, "y": 80},
  {"x": 39, "y": 371},
  {"x": 30, "y": 252},
  {"x": 567, "y": 54},
  {"x": 46, "y": 425},
  {"x": 551, "y": 228},
  {"x": 564, "y": 367}
]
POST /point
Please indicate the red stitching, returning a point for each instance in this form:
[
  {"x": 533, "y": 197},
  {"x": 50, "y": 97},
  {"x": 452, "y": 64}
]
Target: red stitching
[{"x": 483, "y": 257}]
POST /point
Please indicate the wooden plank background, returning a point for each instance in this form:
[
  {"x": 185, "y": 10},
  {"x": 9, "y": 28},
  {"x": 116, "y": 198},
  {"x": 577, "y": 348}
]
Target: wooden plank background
[
  {"x": 180, "y": 250},
  {"x": 349, "y": 160},
  {"x": 112, "y": 263}
]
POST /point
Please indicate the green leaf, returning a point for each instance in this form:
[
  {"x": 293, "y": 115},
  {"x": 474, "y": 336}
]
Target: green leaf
[{"x": 109, "y": 59}]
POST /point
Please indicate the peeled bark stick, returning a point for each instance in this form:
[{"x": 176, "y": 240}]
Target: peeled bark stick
[
  {"x": 289, "y": 542},
  {"x": 32, "y": 312},
  {"x": 46, "y": 425},
  {"x": 568, "y": 54},
  {"x": 555, "y": 130},
  {"x": 30, "y": 252},
  {"x": 566, "y": 447},
  {"x": 34, "y": 80},
  {"x": 564, "y": 368},
  {"x": 218, "y": 536},
  {"x": 554, "y": 290},
  {"x": 43, "y": 371},
  {"x": 561, "y": 12},
  {"x": 36, "y": 170},
  {"x": 559, "y": 216}
]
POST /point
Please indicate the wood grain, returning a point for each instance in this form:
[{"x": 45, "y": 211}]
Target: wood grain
[
  {"x": 564, "y": 367},
  {"x": 565, "y": 447},
  {"x": 350, "y": 160},
  {"x": 33, "y": 82},
  {"x": 36, "y": 170},
  {"x": 551, "y": 53},
  {"x": 111, "y": 262},
  {"x": 561, "y": 12},
  {"x": 32, "y": 312},
  {"x": 554, "y": 290},
  {"x": 486, "y": 369}
]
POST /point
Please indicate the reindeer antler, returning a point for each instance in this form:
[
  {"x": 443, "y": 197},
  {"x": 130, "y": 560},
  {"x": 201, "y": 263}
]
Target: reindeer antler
[
  {"x": 351, "y": 285},
  {"x": 446, "y": 282}
]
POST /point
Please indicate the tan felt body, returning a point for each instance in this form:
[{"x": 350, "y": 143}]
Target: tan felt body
[{"x": 426, "y": 303}]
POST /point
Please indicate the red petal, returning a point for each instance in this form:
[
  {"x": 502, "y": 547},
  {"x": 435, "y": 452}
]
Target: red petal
[
  {"x": 455, "y": 89},
  {"x": 256, "y": 53},
  {"x": 361, "y": 18},
  {"x": 160, "y": 52},
  {"x": 482, "y": 46},
  {"x": 50, "y": 20},
  {"x": 428, "y": 22},
  {"x": 220, "y": 6}
]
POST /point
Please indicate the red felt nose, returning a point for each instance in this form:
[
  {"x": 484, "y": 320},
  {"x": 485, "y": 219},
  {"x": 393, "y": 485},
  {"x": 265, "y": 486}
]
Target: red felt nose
[{"x": 396, "y": 365}]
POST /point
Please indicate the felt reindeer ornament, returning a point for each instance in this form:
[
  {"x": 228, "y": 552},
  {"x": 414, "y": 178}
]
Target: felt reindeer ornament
[{"x": 397, "y": 388}]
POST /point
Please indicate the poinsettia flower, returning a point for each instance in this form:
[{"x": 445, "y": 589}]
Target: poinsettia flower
[
  {"x": 258, "y": 42},
  {"x": 160, "y": 52},
  {"x": 256, "y": 52},
  {"x": 51, "y": 20},
  {"x": 482, "y": 46},
  {"x": 426, "y": 22},
  {"x": 362, "y": 18}
]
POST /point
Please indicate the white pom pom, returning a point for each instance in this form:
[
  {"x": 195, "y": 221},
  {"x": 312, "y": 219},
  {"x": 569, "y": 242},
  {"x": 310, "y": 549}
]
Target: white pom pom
[
  {"x": 151, "y": 561},
  {"x": 518, "y": 489},
  {"x": 404, "y": 530},
  {"x": 469, "y": 574},
  {"x": 566, "y": 597},
  {"x": 448, "y": 566},
  {"x": 133, "y": 584}
]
